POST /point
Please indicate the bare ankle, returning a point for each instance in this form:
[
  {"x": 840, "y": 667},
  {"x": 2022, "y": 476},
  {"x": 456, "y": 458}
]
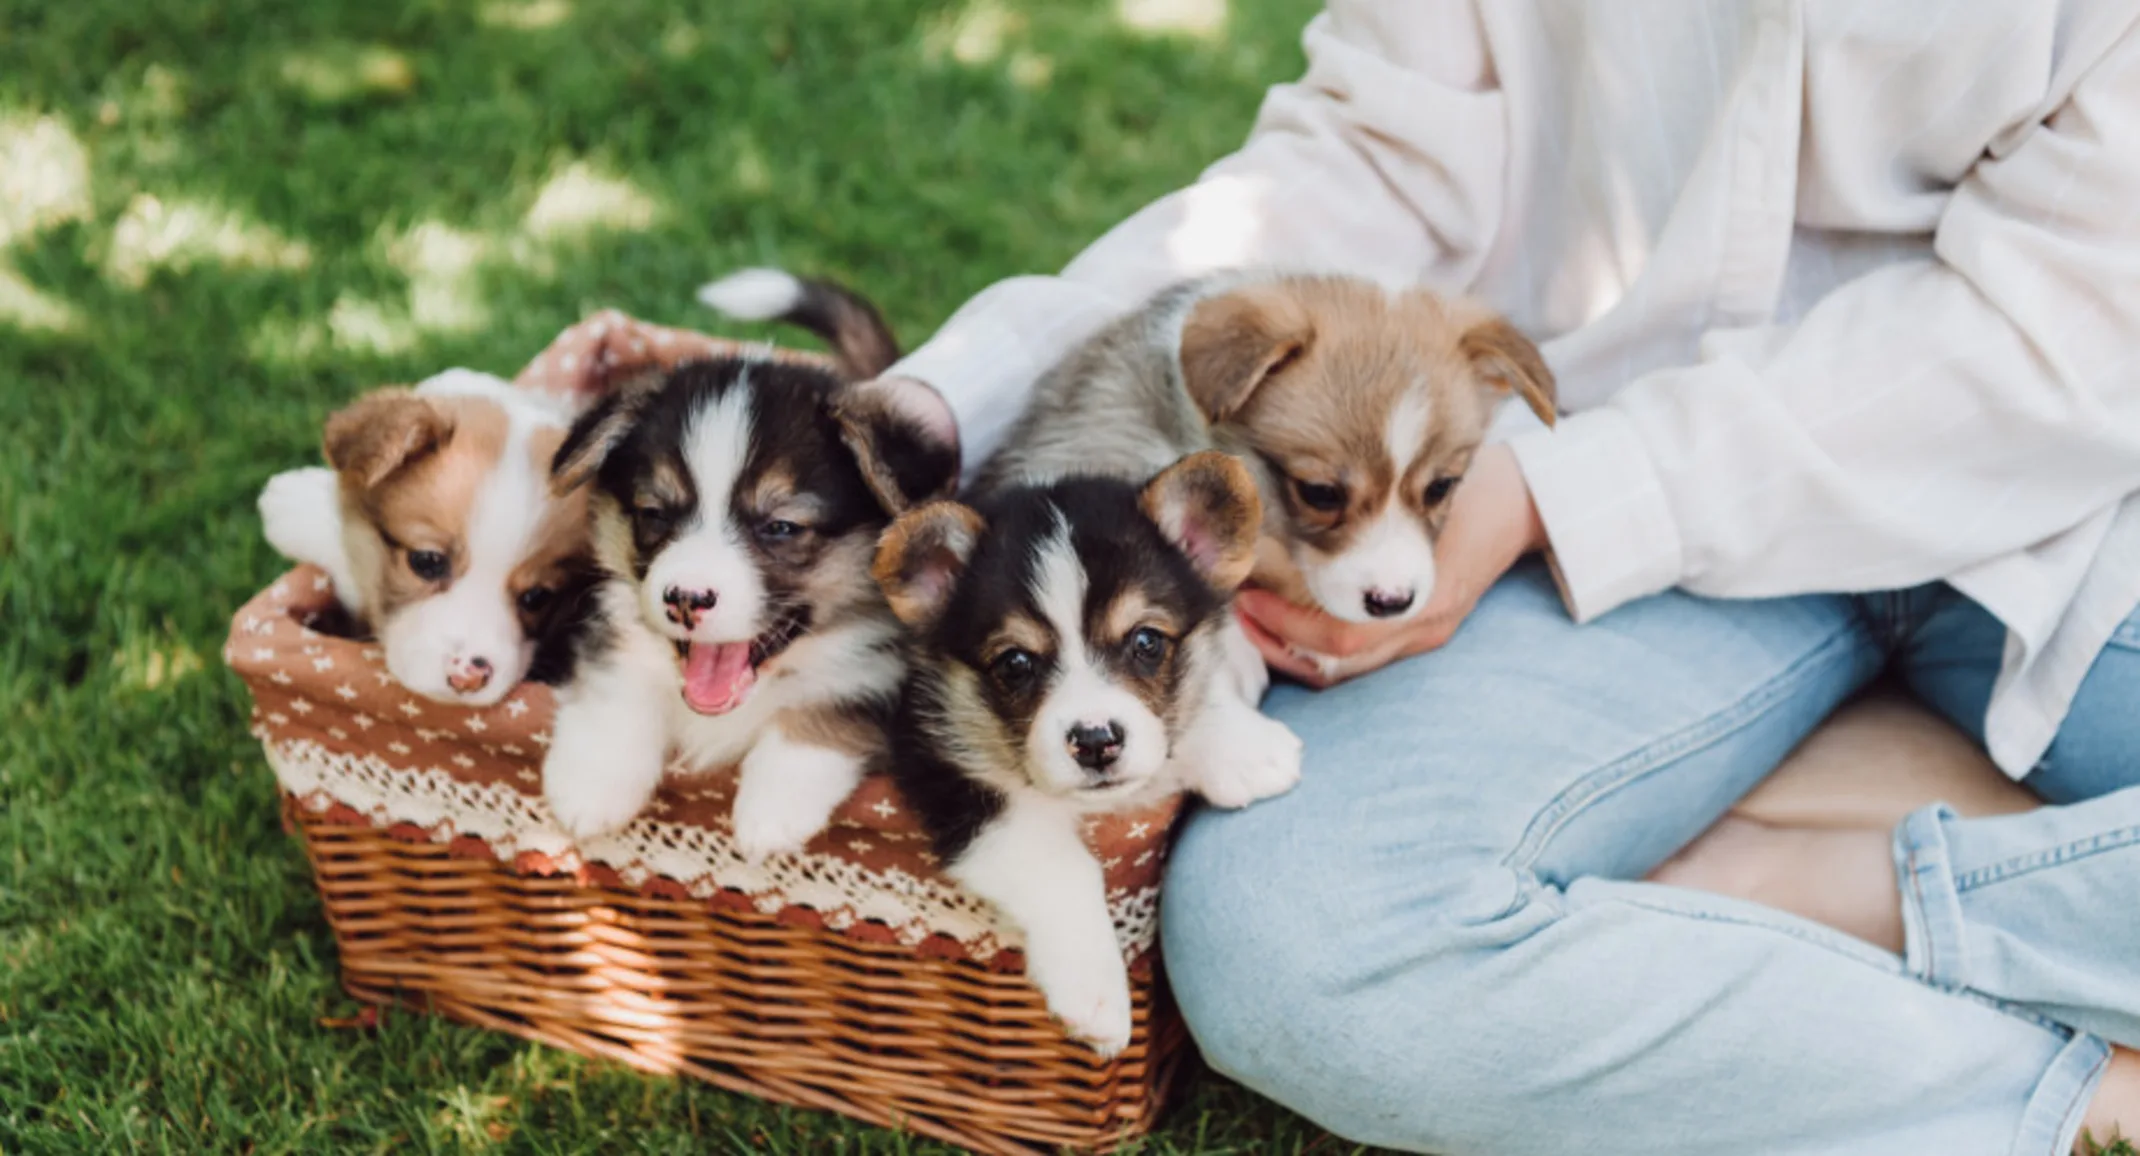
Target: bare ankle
[
  {"x": 1843, "y": 877},
  {"x": 2114, "y": 1113}
]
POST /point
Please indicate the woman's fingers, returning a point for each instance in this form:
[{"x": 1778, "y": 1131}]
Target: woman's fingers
[
  {"x": 1308, "y": 628},
  {"x": 1282, "y": 656}
]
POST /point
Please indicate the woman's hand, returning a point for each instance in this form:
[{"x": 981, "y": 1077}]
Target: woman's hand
[{"x": 1492, "y": 524}]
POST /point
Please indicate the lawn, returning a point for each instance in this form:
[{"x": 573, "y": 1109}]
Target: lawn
[{"x": 218, "y": 220}]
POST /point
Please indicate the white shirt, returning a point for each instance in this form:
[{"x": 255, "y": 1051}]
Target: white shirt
[{"x": 1842, "y": 295}]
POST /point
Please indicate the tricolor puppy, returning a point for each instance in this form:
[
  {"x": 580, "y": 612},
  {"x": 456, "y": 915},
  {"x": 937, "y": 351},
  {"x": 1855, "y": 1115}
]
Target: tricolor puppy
[
  {"x": 436, "y": 522},
  {"x": 736, "y": 505},
  {"x": 1066, "y": 641},
  {"x": 1358, "y": 407}
]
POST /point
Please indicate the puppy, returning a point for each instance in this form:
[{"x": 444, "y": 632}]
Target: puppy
[
  {"x": 436, "y": 523},
  {"x": 736, "y": 505},
  {"x": 1069, "y": 679},
  {"x": 1358, "y": 409}
]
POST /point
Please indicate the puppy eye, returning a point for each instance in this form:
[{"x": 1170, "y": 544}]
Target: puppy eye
[
  {"x": 1013, "y": 670},
  {"x": 1320, "y": 495},
  {"x": 429, "y": 565},
  {"x": 780, "y": 530},
  {"x": 533, "y": 599},
  {"x": 1438, "y": 489},
  {"x": 651, "y": 519},
  {"x": 1148, "y": 646}
]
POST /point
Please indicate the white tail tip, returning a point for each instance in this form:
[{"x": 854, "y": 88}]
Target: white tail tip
[{"x": 753, "y": 294}]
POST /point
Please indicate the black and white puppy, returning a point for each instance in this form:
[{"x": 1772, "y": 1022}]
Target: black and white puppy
[
  {"x": 1073, "y": 677},
  {"x": 736, "y": 504}
]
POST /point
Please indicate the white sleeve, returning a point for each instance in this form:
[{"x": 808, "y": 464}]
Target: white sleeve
[
  {"x": 1923, "y": 418},
  {"x": 1384, "y": 160}
]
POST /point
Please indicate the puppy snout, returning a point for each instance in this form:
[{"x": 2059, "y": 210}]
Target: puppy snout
[
  {"x": 468, "y": 675},
  {"x": 1096, "y": 747},
  {"x": 1389, "y": 603},
  {"x": 685, "y": 607}
]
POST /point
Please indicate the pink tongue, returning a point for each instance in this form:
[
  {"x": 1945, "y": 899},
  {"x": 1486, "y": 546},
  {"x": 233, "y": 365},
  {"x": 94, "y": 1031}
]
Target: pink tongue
[{"x": 717, "y": 678}]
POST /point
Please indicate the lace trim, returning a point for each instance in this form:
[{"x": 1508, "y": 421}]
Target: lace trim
[{"x": 705, "y": 862}]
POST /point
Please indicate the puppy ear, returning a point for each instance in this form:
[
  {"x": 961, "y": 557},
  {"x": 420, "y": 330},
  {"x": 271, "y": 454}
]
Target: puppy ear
[
  {"x": 903, "y": 437},
  {"x": 1508, "y": 361},
  {"x": 593, "y": 437},
  {"x": 1234, "y": 342},
  {"x": 1208, "y": 506},
  {"x": 381, "y": 432},
  {"x": 920, "y": 558}
]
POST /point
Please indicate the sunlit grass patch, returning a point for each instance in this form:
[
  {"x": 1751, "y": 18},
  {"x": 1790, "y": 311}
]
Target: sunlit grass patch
[
  {"x": 580, "y": 199},
  {"x": 182, "y": 233},
  {"x": 340, "y": 72},
  {"x": 976, "y": 33},
  {"x": 44, "y": 175},
  {"x": 1203, "y": 19},
  {"x": 525, "y": 15},
  {"x": 149, "y": 664},
  {"x": 24, "y": 306}
]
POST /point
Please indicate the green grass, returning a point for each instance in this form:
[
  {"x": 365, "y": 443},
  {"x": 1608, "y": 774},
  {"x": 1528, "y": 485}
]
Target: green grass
[{"x": 218, "y": 220}]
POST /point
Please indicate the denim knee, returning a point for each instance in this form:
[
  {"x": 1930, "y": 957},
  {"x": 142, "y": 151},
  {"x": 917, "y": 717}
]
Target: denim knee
[{"x": 1286, "y": 991}]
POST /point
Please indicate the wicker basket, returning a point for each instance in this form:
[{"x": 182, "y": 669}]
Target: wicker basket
[{"x": 852, "y": 977}]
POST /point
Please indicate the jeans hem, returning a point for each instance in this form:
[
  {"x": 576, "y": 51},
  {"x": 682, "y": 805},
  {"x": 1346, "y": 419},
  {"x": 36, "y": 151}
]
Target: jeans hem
[
  {"x": 2051, "y": 1122},
  {"x": 1932, "y": 932}
]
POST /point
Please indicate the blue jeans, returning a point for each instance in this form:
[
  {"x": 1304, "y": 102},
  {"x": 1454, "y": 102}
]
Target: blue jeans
[{"x": 1438, "y": 941}]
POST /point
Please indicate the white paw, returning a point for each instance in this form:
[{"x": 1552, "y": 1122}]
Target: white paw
[
  {"x": 589, "y": 793},
  {"x": 1243, "y": 664},
  {"x": 300, "y": 515},
  {"x": 787, "y": 794},
  {"x": 1246, "y": 759},
  {"x": 294, "y": 500},
  {"x": 1091, "y": 997},
  {"x": 776, "y": 823}
]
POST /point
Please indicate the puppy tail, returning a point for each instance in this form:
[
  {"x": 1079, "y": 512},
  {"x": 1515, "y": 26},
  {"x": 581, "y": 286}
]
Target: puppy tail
[{"x": 860, "y": 341}]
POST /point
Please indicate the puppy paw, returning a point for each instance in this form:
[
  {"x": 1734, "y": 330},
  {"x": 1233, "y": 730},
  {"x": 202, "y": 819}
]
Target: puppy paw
[
  {"x": 787, "y": 794},
  {"x": 772, "y": 823},
  {"x": 1091, "y": 998},
  {"x": 1247, "y": 759},
  {"x": 588, "y": 793},
  {"x": 300, "y": 515}
]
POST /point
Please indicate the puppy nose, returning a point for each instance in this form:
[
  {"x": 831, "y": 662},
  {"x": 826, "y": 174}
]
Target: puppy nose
[
  {"x": 468, "y": 675},
  {"x": 1388, "y": 603},
  {"x": 1096, "y": 747},
  {"x": 684, "y": 606}
]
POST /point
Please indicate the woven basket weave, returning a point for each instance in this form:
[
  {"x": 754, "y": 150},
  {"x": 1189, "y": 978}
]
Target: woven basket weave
[
  {"x": 852, "y": 977},
  {"x": 946, "y": 1048}
]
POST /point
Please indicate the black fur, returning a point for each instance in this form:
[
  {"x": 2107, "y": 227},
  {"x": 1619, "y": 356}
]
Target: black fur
[
  {"x": 860, "y": 340},
  {"x": 953, "y": 808},
  {"x": 573, "y": 629},
  {"x": 1119, "y": 548},
  {"x": 791, "y": 428},
  {"x": 632, "y": 448}
]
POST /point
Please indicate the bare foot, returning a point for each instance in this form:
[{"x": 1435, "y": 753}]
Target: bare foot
[
  {"x": 1843, "y": 877},
  {"x": 2115, "y": 1110}
]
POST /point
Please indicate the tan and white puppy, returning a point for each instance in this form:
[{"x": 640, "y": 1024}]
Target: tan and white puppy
[{"x": 436, "y": 522}]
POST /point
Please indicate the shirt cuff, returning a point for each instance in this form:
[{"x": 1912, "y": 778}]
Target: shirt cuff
[
  {"x": 968, "y": 368},
  {"x": 1610, "y": 531},
  {"x": 986, "y": 358}
]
